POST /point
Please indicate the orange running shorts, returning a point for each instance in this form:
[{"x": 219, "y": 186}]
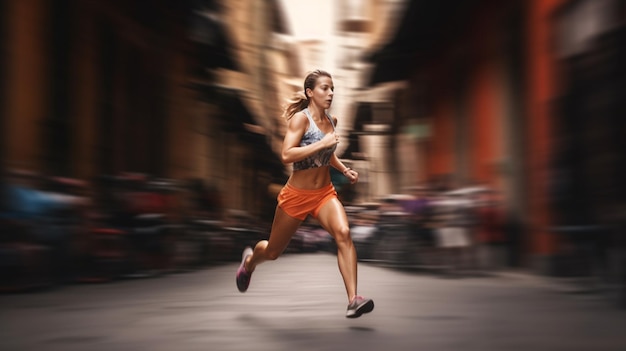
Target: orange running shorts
[{"x": 299, "y": 203}]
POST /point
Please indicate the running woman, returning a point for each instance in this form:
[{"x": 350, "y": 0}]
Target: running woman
[{"x": 310, "y": 143}]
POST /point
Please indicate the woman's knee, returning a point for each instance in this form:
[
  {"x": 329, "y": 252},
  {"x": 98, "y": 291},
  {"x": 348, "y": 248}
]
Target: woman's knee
[
  {"x": 342, "y": 235},
  {"x": 270, "y": 252},
  {"x": 272, "y": 255}
]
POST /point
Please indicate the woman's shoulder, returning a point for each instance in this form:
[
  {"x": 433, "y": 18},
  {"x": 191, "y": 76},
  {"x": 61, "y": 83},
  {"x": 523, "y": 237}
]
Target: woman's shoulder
[
  {"x": 299, "y": 120},
  {"x": 301, "y": 113}
]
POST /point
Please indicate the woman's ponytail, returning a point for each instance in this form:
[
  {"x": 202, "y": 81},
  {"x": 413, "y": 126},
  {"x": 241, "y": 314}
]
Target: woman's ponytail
[{"x": 296, "y": 103}]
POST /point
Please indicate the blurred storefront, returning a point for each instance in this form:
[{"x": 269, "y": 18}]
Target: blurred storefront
[
  {"x": 484, "y": 78},
  {"x": 587, "y": 164}
]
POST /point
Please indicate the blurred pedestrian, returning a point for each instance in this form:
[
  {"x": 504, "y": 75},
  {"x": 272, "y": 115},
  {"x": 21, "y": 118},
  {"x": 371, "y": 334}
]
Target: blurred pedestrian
[{"x": 310, "y": 143}]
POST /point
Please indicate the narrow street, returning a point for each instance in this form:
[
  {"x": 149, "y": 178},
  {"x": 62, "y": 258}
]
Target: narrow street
[{"x": 298, "y": 303}]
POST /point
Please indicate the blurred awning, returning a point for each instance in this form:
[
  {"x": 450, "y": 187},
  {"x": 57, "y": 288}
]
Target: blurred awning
[
  {"x": 278, "y": 20},
  {"x": 364, "y": 108},
  {"x": 424, "y": 24},
  {"x": 363, "y": 111},
  {"x": 389, "y": 69},
  {"x": 236, "y": 117},
  {"x": 212, "y": 43},
  {"x": 383, "y": 92}
]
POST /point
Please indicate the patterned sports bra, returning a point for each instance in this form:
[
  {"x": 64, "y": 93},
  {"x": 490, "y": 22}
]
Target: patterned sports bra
[{"x": 312, "y": 135}]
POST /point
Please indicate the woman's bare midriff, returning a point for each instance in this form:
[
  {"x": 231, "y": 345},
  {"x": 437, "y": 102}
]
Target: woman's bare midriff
[{"x": 312, "y": 178}]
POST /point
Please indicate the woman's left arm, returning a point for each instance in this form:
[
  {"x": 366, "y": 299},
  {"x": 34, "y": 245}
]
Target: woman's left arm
[
  {"x": 352, "y": 175},
  {"x": 348, "y": 172}
]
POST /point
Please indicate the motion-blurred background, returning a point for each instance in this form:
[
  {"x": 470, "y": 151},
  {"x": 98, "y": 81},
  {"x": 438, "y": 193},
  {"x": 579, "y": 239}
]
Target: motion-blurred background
[{"x": 141, "y": 137}]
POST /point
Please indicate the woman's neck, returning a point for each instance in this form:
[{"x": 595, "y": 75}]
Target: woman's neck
[{"x": 317, "y": 112}]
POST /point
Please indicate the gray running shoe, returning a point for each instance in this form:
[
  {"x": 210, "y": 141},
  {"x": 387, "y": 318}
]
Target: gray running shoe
[{"x": 359, "y": 306}]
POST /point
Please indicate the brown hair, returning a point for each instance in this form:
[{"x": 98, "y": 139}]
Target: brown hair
[{"x": 300, "y": 100}]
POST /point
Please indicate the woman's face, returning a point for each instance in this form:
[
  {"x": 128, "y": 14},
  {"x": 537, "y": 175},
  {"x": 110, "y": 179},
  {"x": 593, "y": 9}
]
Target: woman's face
[{"x": 322, "y": 94}]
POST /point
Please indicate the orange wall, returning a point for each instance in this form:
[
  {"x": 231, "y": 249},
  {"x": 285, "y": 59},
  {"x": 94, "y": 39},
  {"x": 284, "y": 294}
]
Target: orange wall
[
  {"x": 486, "y": 124},
  {"x": 441, "y": 147},
  {"x": 541, "y": 89},
  {"x": 484, "y": 93},
  {"x": 484, "y": 103},
  {"x": 26, "y": 99}
]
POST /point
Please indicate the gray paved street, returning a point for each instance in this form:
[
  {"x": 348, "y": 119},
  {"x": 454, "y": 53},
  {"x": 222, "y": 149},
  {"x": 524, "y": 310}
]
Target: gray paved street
[{"x": 298, "y": 303}]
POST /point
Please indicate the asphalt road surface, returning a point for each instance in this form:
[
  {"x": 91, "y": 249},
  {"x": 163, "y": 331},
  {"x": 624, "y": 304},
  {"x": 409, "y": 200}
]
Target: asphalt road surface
[{"x": 298, "y": 303}]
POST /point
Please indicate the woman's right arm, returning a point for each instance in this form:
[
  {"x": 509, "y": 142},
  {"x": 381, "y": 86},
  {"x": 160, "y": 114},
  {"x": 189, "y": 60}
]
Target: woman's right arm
[{"x": 292, "y": 151}]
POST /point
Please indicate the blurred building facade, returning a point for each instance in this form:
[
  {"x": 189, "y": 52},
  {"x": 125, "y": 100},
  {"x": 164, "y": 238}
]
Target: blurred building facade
[
  {"x": 485, "y": 84},
  {"x": 361, "y": 25},
  {"x": 245, "y": 161},
  {"x": 183, "y": 90}
]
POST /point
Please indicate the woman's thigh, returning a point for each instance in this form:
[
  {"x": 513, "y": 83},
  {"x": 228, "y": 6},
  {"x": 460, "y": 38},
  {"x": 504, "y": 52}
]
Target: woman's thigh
[
  {"x": 283, "y": 228},
  {"x": 333, "y": 217}
]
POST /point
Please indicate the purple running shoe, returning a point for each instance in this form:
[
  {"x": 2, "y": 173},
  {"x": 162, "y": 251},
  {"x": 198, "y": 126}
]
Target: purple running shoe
[{"x": 243, "y": 277}]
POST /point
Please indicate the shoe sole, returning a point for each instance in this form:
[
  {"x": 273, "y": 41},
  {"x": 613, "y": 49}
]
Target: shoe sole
[{"x": 364, "y": 308}]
